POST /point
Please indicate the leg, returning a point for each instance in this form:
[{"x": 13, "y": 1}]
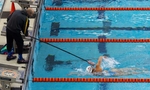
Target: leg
[
  {"x": 9, "y": 39},
  {"x": 19, "y": 42},
  {"x": 127, "y": 71}
]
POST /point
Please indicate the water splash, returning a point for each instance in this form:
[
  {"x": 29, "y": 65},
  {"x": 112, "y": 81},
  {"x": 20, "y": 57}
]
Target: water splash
[
  {"x": 80, "y": 72},
  {"x": 108, "y": 63}
]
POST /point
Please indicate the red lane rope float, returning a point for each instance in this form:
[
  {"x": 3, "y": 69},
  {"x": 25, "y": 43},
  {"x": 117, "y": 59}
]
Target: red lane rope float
[
  {"x": 113, "y": 80},
  {"x": 93, "y": 40},
  {"x": 96, "y": 8}
]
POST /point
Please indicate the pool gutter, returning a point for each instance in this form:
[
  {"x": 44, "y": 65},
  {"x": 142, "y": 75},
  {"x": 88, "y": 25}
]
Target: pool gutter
[
  {"x": 30, "y": 55},
  {"x": 1, "y": 11}
]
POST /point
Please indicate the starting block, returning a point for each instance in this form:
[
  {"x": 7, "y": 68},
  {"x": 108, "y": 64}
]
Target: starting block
[
  {"x": 26, "y": 3},
  {"x": 10, "y": 74}
]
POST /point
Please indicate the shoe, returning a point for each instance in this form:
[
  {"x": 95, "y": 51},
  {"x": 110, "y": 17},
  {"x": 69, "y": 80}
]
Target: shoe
[
  {"x": 11, "y": 58},
  {"x": 22, "y": 61}
]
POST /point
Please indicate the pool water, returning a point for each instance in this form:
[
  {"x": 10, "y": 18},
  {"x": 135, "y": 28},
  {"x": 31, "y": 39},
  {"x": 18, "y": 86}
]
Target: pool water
[
  {"x": 1, "y": 4},
  {"x": 134, "y": 55}
]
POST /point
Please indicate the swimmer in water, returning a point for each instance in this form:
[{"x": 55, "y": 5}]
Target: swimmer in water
[{"x": 98, "y": 71}]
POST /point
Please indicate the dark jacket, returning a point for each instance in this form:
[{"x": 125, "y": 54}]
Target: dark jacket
[{"x": 18, "y": 21}]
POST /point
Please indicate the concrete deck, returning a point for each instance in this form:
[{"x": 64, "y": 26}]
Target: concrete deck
[{"x": 7, "y": 7}]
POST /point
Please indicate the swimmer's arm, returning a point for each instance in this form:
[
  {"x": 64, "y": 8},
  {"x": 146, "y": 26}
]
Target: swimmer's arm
[{"x": 99, "y": 61}]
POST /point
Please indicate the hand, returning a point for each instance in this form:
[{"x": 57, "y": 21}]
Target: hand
[{"x": 29, "y": 34}]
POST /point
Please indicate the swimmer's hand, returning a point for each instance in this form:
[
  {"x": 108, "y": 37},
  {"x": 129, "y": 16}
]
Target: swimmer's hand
[
  {"x": 106, "y": 56},
  {"x": 91, "y": 63}
]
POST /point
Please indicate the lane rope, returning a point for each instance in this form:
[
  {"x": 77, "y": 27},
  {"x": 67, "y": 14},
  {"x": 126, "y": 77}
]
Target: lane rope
[
  {"x": 99, "y": 8},
  {"x": 111, "y": 80},
  {"x": 94, "y": 40}
]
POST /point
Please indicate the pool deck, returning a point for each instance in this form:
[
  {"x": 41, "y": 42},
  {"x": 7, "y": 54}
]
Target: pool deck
[{"x": 7, "y": 8}]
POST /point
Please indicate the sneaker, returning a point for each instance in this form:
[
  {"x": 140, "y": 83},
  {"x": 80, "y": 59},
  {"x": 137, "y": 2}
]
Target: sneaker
[
  {"x": 11, "y": 58},
  {"x": 22, "y": 61}
]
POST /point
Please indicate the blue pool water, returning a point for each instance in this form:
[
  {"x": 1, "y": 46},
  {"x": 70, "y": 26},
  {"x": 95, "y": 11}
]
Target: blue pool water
[
  {"x": 135, "y": 55},
  {"x": 1, "y": 4}
]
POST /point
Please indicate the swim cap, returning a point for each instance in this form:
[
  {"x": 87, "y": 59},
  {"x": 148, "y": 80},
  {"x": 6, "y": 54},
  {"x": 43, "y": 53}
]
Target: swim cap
[{"x": 89, "y": 69}]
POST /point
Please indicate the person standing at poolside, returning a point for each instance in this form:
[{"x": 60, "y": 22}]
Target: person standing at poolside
[{"x": 16, "y": 22}]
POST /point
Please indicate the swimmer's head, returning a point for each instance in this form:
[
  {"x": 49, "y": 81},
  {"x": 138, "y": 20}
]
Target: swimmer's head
[{"x": 89, "y": 69}]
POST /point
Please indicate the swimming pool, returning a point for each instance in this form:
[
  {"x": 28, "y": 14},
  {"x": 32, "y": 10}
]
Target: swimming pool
[
  {"x": 127, "y": 54},
  {"x": 1, "y": 4}
]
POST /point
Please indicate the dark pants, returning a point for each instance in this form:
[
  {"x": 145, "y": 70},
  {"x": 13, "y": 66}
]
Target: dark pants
[{"x": 10, "y": 36}]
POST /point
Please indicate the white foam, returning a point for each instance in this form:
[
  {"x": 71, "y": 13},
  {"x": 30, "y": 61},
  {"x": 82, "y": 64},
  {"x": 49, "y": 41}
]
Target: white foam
[
  {"x": 109, "y": 63},
  {"x": 105, "y": 73},
  {"x": 81, "y": 72},
  {"x": 79, "y": 69}
]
